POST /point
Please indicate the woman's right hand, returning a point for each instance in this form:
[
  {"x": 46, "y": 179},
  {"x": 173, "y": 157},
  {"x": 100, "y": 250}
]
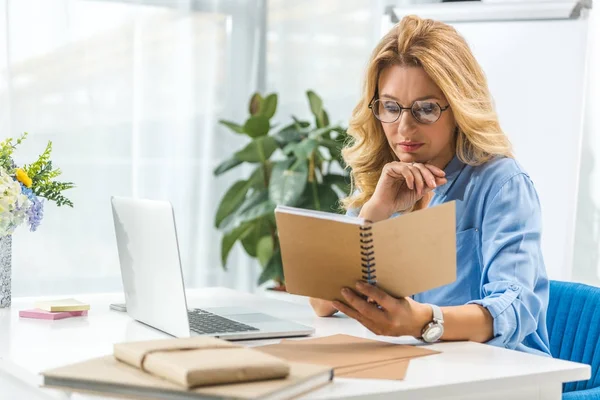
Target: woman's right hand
[{"x": 401, "y": 185}]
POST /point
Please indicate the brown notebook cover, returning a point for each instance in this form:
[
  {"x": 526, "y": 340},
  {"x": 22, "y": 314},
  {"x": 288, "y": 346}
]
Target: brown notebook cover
[
  {"x": 107, "y": 375},
  {"x": 200, "y": 361},
  {"x": 405, "y": 255}
]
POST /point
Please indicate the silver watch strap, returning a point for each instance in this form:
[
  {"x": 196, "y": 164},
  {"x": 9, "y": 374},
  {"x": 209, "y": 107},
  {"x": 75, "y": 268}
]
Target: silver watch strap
[{"x": 437, "y": 314}]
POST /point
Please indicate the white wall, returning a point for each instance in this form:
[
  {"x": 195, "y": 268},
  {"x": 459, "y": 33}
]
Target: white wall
[{"x": 586, "y": 260}]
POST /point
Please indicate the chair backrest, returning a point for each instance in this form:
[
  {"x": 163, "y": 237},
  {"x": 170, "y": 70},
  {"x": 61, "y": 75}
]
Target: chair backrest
[{"x": 574, "y": 327}]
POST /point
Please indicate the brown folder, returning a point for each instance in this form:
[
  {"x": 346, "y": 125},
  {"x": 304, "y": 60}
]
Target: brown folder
[
  {"x": 324, "y": 252},
  {"x": 350, "y": 356}
]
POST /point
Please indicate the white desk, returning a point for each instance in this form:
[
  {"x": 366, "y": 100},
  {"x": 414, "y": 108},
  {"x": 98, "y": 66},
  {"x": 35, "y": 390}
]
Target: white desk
[{"x": 462, "y": 371}]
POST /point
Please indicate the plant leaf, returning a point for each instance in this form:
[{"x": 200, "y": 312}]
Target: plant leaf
[
  {"x": 286, "y": 185},
  {"x": 257, "y": 179},
  {"x": 264, "y": 250},
  {"x": 256, "y": 126},
  {"x": 328, "y": 199},
  {"x": 233, "y": 126},
  {"x": 325, "y": 118},
  {"x": 259, "y": 229},
  {"x": 227, "y": 165},
  {"x": 269, "y": 106},
  {"x": 320, "y": 132},
  {"x": 316, "y": 105},
  {"x": 255, "y": 104},
  {"x": 340, "y": 181},
  {"x": 273, "y": 270},
  {"x": 234, "y": 196},
  {"x": 229, "y": 240},
  {"x": 259, "y": 150},
  {"x": 304, "y": 149},
  {"x": 255, "y": 206}
]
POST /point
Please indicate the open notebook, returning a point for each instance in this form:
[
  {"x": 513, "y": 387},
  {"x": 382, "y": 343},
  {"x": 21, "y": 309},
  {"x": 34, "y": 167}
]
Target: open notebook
[{"x": 323, "y": 252}]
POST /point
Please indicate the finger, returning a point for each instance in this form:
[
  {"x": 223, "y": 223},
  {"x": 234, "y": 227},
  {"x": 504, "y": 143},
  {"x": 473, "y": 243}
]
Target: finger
[
  {"x": 435, "y": 170},
  {"x": 370, "y": 325},
  {"x": 369, "y": 310},
  {"x": 439, "y": 182},
  {"x": 379, "y": 296},
  {"x": 400, "y": 170},
  {"x": 419, "y": 183},
  {"x": 428, "y": 177}
]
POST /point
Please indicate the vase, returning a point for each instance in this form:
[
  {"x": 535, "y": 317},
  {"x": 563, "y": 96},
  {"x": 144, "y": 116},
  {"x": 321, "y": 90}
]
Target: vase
[{"x": 5, "y": 270}]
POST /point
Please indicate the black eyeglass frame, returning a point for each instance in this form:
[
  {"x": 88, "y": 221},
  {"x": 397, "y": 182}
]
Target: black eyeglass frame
[{"x": 442, "y": 109}]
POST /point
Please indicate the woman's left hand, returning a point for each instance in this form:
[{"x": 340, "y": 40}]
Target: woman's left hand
[{"x": 393, "y": 317}]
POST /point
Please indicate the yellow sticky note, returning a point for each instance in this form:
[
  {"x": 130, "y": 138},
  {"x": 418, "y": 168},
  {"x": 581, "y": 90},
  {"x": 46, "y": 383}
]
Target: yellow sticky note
[{"x": 62, "y": 305}]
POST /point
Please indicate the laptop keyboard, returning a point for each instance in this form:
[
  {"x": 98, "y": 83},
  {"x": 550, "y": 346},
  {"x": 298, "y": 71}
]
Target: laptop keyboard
[{"x": 204, "y": 322}]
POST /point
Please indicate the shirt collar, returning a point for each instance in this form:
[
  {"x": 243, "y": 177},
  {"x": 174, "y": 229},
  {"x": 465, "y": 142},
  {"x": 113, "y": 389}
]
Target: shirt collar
[{"x": 452, "y": 170}]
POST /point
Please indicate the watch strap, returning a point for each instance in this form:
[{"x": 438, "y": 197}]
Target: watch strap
[{"x": 438, "y": 316}]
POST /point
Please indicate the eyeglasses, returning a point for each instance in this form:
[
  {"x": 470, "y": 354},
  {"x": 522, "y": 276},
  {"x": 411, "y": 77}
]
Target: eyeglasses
[{"x": 424, "y": 112}]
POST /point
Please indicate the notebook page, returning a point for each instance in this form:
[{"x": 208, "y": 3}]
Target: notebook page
[{"x": 320, "y": 214}]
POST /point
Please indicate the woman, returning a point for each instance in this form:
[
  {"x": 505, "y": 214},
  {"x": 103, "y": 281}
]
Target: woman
[{"x": 425, "y": 132}]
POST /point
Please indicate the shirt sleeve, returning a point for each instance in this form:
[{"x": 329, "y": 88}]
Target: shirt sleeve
[{"x": 513, "y": 267}]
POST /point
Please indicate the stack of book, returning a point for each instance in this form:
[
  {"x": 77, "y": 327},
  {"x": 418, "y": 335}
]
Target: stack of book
[{"x": 56, "y": 309}]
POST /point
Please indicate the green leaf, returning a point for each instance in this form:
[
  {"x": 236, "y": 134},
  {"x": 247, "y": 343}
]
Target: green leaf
[
  {"x": 318, "y": 133},
  {"x": 260, "y": 228},
  {"x": 257, "y": 205},
  {"x": 334, "y": 147},
  {"x": 234, "y": 196},
  {"x": 259, "y": 150},
  {"x": 226, "y": 166},
  {"x": 328, "y": 199},
  {"x": 229, "y": 240},
  {"x": 256, "y": 126},
  {"x": 289, "y": 134},
  {"x": 269, "y": 106},
  {"x": 316, "y": 104},
  {"x": 289, "y": 148},
  {"x": 264, "y": 250},
  {"x": 325, "y": 118},
  {"x": 340, "y": 181},
  {"x": 304, "y": 149},
  {"x": 286, "y": 185},
  {"x": 300, "y": 123},
  {"x": 233, "y": 126},
  {"x": 255, "y": 104},
  {"x": 273, "y": 270},
  {"x": 257, "y": 179}
]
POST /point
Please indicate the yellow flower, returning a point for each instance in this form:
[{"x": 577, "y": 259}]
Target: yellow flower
[{"x": 23, "y": 177}]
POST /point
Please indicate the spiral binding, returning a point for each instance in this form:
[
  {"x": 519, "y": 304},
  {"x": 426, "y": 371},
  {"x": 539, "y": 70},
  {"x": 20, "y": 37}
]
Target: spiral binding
[{"x": 367, "y": 253}]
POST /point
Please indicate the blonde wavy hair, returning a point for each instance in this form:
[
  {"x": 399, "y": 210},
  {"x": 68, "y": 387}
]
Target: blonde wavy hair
[{"x": 446, "y": 57}]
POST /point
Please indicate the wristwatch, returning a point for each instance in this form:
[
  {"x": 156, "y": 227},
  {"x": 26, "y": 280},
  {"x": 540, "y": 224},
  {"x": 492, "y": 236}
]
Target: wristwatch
[{"x": 434, "y": 330}]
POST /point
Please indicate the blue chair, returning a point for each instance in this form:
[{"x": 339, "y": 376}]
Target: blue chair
[{"x": 574, "y": 331}]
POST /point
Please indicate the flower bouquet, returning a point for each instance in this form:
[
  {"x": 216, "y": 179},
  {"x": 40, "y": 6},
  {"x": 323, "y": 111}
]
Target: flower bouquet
[{"x": 23, "y": 191}]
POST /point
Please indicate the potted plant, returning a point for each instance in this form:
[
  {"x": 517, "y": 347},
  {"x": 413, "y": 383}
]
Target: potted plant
[
  {"x": 298, "y": 165},
  {"x": 22, "y": 193}
]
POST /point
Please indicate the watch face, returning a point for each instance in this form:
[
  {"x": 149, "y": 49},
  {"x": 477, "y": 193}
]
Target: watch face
[{"x": 433, "y": 333}]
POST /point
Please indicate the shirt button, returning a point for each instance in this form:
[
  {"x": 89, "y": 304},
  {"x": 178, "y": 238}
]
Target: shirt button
[{"x": 514, "y": 288}]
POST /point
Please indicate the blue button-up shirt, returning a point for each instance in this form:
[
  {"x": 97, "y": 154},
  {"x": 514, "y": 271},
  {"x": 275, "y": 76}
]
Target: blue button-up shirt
[{"x": 498, "y": 251}]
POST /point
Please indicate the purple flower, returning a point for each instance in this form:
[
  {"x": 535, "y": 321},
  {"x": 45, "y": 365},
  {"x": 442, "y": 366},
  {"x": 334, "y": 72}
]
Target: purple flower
[{"x": 35, "y": 213}]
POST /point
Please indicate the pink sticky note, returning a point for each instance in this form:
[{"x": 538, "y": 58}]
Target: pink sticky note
[{"x": 42, "y": 314}]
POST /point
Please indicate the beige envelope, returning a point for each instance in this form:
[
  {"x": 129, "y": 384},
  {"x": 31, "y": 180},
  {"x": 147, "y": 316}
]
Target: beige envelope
[{"x": 350, "y": 355}]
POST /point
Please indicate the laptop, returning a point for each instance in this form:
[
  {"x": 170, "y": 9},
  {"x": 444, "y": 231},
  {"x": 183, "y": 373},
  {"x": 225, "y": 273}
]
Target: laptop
[{"x": 153, "y": 280}]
